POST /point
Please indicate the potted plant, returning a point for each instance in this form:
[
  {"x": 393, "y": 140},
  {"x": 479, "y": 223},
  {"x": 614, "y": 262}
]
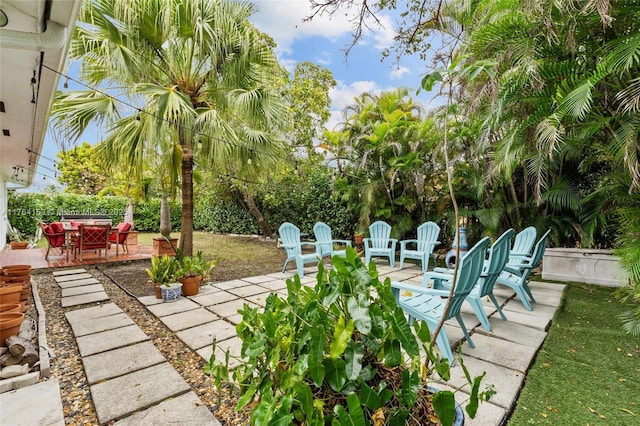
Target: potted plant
[
  {"x": 17, "y": 243},
  {"x": 340, "y": 353},
  {"x": 191, "y": 270},
  {"x": 162, "y": 272}
]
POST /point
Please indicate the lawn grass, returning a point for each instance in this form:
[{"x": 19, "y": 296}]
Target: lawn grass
[
  {"x": 588, "y": 370},
  {"x": 236, "y": 256}
]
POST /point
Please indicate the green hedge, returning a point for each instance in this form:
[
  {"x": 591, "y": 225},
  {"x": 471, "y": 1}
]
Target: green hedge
[{"x": 300, "y": 200}]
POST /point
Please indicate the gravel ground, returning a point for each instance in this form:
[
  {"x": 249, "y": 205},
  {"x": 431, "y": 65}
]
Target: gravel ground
[{"x": 67, "y": 365}]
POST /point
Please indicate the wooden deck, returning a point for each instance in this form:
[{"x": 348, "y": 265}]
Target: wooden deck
[{"x": 35, "y": 257}]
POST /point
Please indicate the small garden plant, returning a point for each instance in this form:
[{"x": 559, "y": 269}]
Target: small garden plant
[{"x": 341, "y": 352}]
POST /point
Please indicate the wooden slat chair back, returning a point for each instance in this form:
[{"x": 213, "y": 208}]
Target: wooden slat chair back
[
  {"x": 93, "y": 238},
  {"x": 379, "y": 242}
]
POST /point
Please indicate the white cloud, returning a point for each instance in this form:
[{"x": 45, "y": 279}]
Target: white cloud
[
  {"x": 399, "y": 72},
  {"x": 284, "y": 21},
  {"x": 344, "y": 94}
]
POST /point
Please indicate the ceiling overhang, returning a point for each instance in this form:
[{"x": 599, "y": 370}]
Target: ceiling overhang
[{"x": 37, "y": 36}]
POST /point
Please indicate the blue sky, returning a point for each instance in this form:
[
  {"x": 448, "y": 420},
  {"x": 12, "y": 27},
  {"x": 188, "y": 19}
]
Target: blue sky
[{"x": 321, "y": 41}]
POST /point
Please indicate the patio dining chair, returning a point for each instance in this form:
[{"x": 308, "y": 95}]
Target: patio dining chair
[
  {"x": 428, "y": 304},
  {"x": 325, "y": 242},
  {"x": 119, "y": 236},
  {"x": 422, "y": 247},
  {"x": 92, "y": 238},
  {"x": 379, "y": 243},
  {"x": 290, "y": 236},
  {"x": 55, "y": 236}
]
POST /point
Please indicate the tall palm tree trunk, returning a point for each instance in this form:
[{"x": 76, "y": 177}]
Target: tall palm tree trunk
[{"x": 186, "y": 230}]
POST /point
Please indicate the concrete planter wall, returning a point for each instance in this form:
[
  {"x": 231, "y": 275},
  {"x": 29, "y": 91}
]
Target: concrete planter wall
[{"x": 589, "y": 266}]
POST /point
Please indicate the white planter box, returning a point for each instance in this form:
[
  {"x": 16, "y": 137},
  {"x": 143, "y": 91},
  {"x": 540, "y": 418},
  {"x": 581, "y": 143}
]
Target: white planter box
[{"x": 591, "y": 266}]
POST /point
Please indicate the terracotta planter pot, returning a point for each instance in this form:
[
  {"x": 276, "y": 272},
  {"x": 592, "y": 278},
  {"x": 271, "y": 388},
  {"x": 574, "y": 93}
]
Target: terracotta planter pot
[
  {"x": 157, "y": 290},
  {"x": 14, "y": 267},
  {"x": 10, "y": 294},
  {"x": 25, "y": 293},
  {"x": 10, "y": 307},
  {"x": 9, "y": 325},
  {"x": 191, "y": 285},
  {"x": 18, "y": 245},
  {"x": 357, "y": 238}
]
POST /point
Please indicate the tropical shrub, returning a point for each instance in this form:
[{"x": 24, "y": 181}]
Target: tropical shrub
[{"x": 341, "y": 352}]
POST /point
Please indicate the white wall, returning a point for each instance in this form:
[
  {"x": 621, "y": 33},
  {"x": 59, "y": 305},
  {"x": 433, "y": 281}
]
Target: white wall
[{"x": 3, "y": 212}]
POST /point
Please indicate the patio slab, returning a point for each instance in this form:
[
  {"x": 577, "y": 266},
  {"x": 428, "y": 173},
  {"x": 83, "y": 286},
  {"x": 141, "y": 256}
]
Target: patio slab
[
  {"x": 38, "y": 404},
  {"x": 97, "y": 325},
  {"x": 228, "y": 309},
  {"x": 226, "y": 285},
  {"x": 78, "y": 283},
  {"x": 506, "y": 382},
  {"x": 487, "y": 414},
  {"x": 83, "y": 299},
  {"x": 185, "y": 409},
  {"x": 72, "y": 277},
  {"x": 99, "y": 311},
  {"x": 69, "y": 272},
  {"x": 149, "y": 300},
  {"x": 83, "y": 289},
  {"x": 169, "y": 308},
  {"x": 188, "y": 319},
  {"x": 202, "y": 335},
  {"x": 126, "y": 394},
  {"x": 213, "y": 298},
  {"x": 501, "y": 352},
  {"x": 257, "y": 279},
  {"x": 110, "y": 339},
  {"x": 233, "y": 345},
  {"x": 274, "y": 285},
  {"x": 248, "y": 290},
  {"x": 121, "y": 361},
  {"x": 514, "y": 332}
]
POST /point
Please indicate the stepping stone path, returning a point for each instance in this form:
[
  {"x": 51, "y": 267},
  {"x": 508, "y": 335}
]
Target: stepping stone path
[{"x": 130, "y": 380}]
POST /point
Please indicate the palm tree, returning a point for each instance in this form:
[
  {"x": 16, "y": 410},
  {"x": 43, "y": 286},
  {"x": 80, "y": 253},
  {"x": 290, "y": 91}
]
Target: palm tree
[{"x": 190, "y": 80}]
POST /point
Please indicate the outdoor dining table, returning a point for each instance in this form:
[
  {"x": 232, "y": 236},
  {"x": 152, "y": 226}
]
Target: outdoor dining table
[{"x": 70, "y": 234}]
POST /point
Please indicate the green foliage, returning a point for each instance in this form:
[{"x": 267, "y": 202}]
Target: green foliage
[
  {"x": 163, "y": 269},
  {"x": 341, "y": 352},
  {"x": 192, "y": 266},
  {"x": 82, "y": 170}
]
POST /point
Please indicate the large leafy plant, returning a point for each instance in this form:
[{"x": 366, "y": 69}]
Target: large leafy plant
[{"x": 341, "y": 352}]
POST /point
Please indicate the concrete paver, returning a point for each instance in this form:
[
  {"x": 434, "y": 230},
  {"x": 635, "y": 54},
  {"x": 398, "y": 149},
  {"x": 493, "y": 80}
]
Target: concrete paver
[
  {"x": 83, "y": 289},
  {"x": 110, "y": 339},
  {"x": 169, "y": 308},
  {"x": 514, "y": 332},
  {"x": 117, "y": 362},
  {"x": 96, "y": 325},
  {"x": 83, "y": 299},
  {"x": 73, "y": 277},
  {"x": 78, "y": 283},
  {"x": 229, "y": 308},
  {"x": 220, "y": 296},
  {"x": 188, "y": 319},
  {"x": 99, "y": 311},
  {"x": 248, "y": 290},
  {"x": 132, "y": 392},
  {"x": 501, "y": 352},
  {"x": 202, "y": 335},
  {"x": 233, "y": 345},
  {"x": 38, "y": 404},
  {"x": 185, "y": 409},
  {"x": 69, "y": 272}
]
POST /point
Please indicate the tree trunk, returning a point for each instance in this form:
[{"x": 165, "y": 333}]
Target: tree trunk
[
  {"x": 255, "y": 211},
  {"x": 165, "y": 217},
  {"x": 186, "y": 232}
]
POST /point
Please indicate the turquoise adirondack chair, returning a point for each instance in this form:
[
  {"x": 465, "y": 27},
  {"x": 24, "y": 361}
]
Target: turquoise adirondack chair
[
  {"x": 516, "y": 274},
  {"x": 427, "y": 239},
  {"x": 379, "y": 243},
  {"x": 493, "y": 267},
  {"x": 427, "y": 304},
  {"x": 523, "y": 243},
  {"x": 290, "y": 236},
  {"x": 325, "y": 243}
]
